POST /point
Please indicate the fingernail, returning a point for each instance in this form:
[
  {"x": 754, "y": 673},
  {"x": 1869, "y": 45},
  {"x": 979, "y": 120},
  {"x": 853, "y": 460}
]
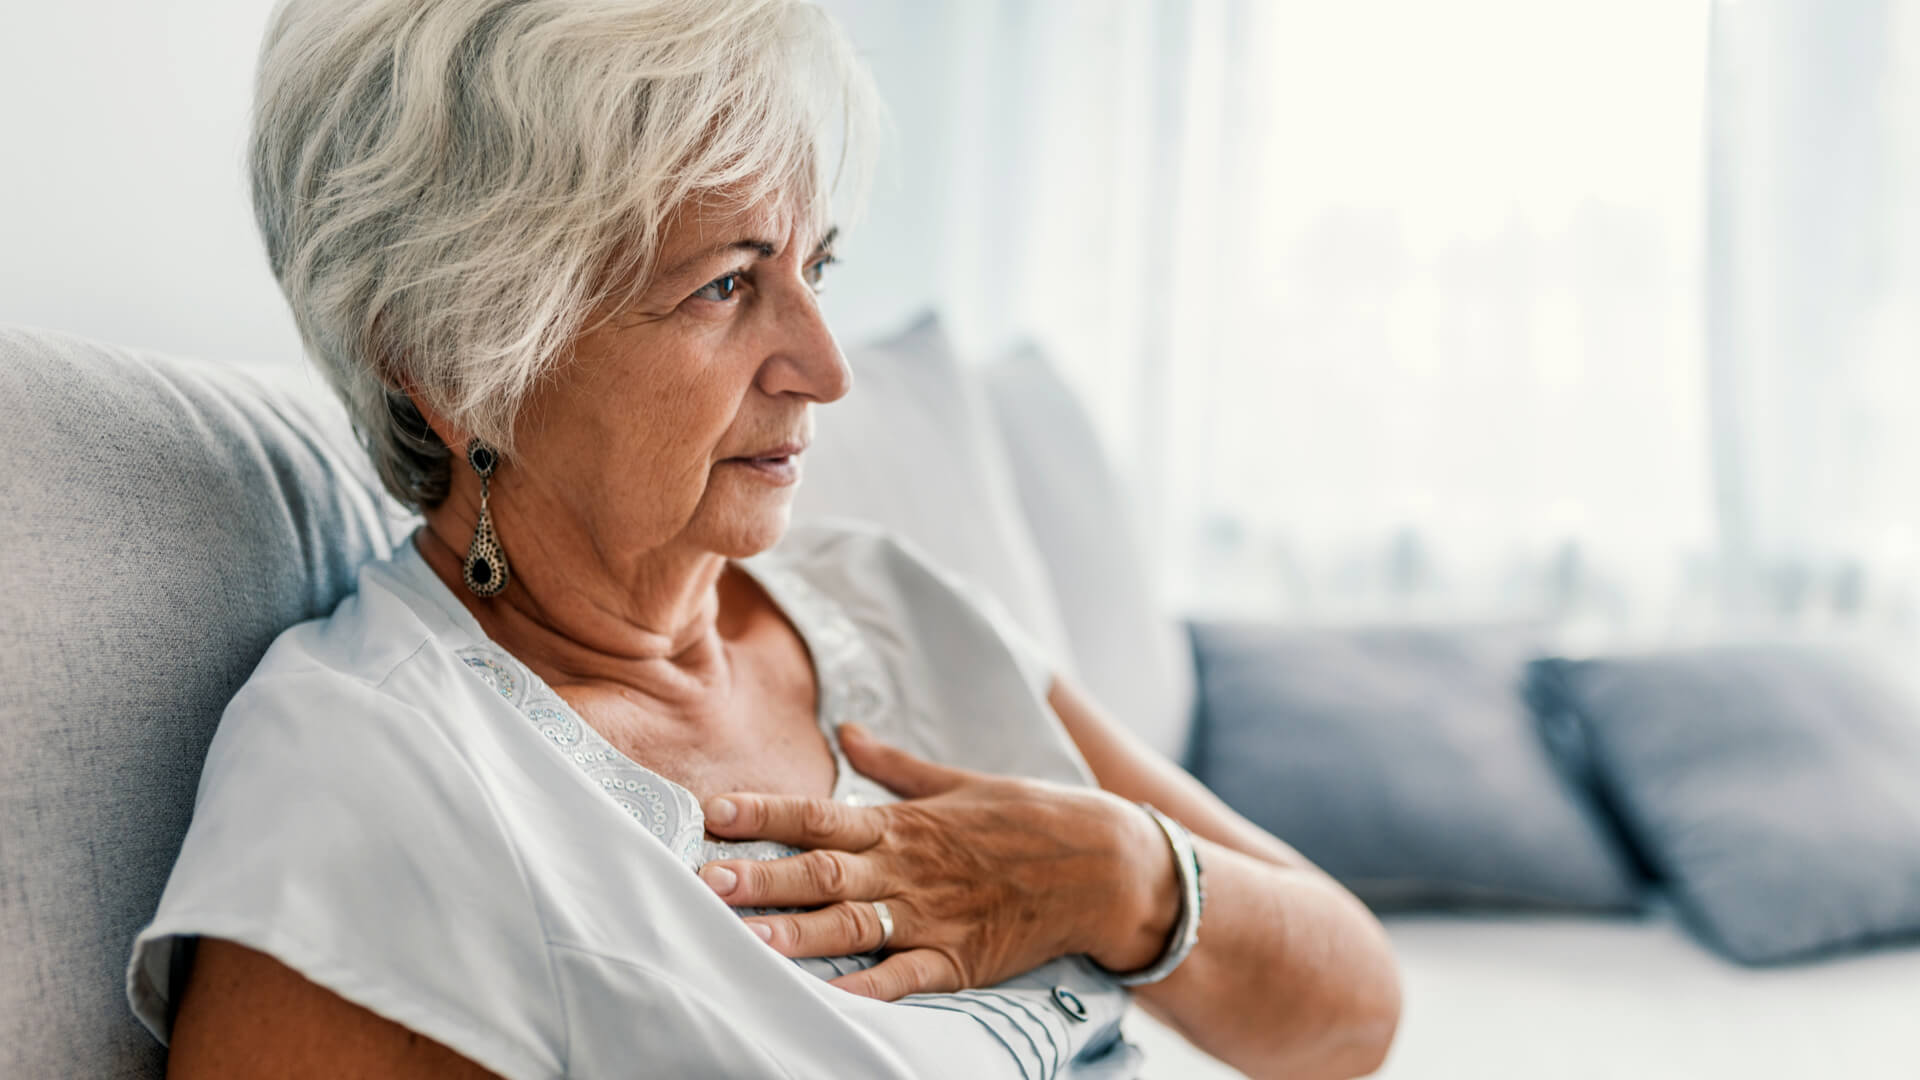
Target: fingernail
[
  {"x": 720, "y": 878},
  {"x": 721, "y": 811},
  {"x": 762, "y": 929},
  {"x": 853, "y": 729}
]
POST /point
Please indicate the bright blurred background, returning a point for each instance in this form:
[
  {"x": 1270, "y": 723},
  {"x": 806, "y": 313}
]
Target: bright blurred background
[
  {"x": 1598, "y": 311},
  {"x": 1603, "y": 311},
  {"x": 1600, "y": 317}
]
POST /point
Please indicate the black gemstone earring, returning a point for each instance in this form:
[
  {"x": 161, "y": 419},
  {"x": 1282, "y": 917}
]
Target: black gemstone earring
[{"x": 486, "y": 563}]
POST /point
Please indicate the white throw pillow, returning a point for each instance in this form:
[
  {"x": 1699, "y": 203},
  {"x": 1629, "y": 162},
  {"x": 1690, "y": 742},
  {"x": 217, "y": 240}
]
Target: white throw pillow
[
  {"x": 1133, "y": 658},
  {"x": 913, "y": 447}
]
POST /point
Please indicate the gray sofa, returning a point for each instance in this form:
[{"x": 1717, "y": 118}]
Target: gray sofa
[{"x": 160, "y": 522}]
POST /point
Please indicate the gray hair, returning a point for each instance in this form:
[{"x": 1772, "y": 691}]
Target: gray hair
[{"x": 448, "y": 188}]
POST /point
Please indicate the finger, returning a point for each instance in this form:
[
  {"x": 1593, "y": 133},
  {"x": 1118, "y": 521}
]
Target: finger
[
  {"x": 836, "y": 930},
  {"x": 907, "y": 776},
  {"x": 915, "y": 971},
  {"x": 805, "y": 823},
  {"x": 806, "y": 880}
]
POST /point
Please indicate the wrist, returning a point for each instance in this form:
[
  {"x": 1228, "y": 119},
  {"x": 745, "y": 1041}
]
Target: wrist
[{"x": 1146, "y": 894}]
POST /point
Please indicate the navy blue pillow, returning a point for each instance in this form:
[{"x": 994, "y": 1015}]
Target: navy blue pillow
[
  {"x": 1404, "y": 762},
  {"x": 1775, "y": 789}
]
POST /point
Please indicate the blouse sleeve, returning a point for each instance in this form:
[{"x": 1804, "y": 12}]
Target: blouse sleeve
[
  {"x": 1037, "y": 664},
  {"x": 338, "y": 830}
]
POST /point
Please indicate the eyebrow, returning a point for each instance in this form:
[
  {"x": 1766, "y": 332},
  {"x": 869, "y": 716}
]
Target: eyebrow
[{"x": 763, "y": 248}]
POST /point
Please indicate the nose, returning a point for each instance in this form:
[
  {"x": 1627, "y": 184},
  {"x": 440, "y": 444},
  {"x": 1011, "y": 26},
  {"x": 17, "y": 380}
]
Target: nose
[{"x": 805, "y": 358}]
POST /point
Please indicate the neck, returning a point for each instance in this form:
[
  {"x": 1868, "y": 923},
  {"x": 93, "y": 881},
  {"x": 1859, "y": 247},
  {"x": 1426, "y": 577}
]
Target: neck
[{"x": 656, "y": 627}]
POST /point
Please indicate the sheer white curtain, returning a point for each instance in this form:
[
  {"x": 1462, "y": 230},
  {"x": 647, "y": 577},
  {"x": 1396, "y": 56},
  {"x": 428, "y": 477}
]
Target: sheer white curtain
[
  {"x": 1460, "y": 372},
  {"x": 1815, "y": 308},
  {"x": 1391, "y": 308}
]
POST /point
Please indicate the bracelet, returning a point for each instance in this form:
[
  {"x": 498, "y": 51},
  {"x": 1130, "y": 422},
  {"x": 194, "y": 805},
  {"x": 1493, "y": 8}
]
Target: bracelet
[{"x": 1193, "y": 898}]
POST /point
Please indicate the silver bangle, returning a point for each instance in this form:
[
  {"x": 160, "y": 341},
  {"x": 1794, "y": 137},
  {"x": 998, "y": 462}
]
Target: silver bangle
[{"x": 1193, "y": 898}]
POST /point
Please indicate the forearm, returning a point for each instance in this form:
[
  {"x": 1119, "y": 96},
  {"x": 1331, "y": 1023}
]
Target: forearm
[{"x": 1292, "y": 975}]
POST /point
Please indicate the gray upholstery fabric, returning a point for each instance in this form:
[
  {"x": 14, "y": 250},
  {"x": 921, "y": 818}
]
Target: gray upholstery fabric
[
  {"x": 1775, "y": 788},
  {"x": 160, "y": 522},
  {"x": 1404, "y": 762}
]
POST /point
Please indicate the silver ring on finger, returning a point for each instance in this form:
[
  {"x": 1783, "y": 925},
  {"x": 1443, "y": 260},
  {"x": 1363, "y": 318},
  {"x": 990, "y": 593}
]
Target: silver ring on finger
[{"x": 885, "y": 916}]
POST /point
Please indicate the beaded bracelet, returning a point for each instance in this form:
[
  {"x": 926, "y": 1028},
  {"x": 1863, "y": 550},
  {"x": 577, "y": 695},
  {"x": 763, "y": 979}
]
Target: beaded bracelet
[{"x": 1193, "y": 898}]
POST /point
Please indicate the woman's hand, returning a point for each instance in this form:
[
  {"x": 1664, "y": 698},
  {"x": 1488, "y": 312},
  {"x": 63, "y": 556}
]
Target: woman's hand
[{"x": 985, "y": 876}]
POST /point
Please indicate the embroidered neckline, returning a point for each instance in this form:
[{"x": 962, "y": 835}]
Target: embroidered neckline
[{"x": 852, "y": 685}]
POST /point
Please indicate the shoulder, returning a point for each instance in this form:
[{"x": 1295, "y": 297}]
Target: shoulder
[
  {"x": 859, "y": 560},
  {"x": 890, "y": 582},
  {"x": 979, "y": 680},
  {"x": 879, "y": 578},
  {"x": 368, "y": 710},
  {"x": 344, "y": 827},
  {"x": 362, "y": 692},
  {"x": 372, "y": 632},
  {"x": 378, "y": 674}
]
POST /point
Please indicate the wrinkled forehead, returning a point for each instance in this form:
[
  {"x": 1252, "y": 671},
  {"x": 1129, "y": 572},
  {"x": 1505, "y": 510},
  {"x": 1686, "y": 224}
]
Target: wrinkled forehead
[{"x": 791, "y": 216}]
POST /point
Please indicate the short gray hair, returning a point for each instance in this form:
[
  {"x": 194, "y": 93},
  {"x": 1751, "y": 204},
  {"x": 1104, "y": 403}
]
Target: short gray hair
[{"x": 448, "y": 188}]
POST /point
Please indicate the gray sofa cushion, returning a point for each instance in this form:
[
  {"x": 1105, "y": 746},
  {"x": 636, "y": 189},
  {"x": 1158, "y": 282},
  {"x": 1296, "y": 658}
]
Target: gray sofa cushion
[
  {"x": 913, "y": 448},
  {"x": 160, "y": 522},
  {"x": 1404, "y": 762},
  {"x": 1132, "y": 657},
  {"x": 1775, "y": 788}
]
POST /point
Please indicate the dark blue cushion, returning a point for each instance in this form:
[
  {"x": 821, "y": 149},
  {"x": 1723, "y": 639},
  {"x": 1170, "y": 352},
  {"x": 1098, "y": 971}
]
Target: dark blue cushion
[
  {"x": 1404, "y": 762},
  {"x": 1775, "y": 789}
]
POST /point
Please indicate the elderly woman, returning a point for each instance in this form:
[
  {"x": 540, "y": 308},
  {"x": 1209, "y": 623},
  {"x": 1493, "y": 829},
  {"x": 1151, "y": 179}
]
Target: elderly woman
[{"x": 607, "y": 772}]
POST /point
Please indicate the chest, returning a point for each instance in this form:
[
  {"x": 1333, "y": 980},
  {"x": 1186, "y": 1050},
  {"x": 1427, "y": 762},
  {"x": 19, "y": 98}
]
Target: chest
[{"x": 764, "y": 735}]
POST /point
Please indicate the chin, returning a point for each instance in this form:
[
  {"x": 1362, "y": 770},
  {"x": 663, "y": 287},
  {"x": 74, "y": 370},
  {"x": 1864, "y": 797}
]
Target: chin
[{"x": 752, "y": 530}]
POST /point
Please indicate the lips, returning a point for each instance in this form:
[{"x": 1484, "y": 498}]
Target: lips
[
  {"x": 775, "y": 468},
  {"x": 774, "y": 453}
]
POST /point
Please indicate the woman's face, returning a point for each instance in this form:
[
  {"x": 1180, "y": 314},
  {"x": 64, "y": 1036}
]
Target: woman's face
[{"x": 677, "y": 419}]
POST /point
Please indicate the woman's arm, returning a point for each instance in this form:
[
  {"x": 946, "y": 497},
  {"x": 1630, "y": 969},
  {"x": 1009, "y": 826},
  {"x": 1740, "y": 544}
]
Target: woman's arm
[
  {"x": 1293, "y": 975},
  {"x": 988, "y": 876},
  {"x": 245, "y": 1014}
]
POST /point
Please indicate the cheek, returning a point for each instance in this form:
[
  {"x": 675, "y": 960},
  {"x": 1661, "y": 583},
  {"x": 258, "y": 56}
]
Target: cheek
[
  {"x": 659, "y": 439},
  {"x": 687, "y": 420},
  {"x": 666, "y": 398},
  {"x": 651, "y": 416}
]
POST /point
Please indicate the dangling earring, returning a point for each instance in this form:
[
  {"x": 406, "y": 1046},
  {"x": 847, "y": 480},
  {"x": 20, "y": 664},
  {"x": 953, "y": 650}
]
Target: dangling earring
[{"x": 486, "y": 563}]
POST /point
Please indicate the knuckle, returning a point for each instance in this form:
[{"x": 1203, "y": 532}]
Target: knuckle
[
  {"x": 756, "y": 878},
  {"x": 817, "y": 819},
  {"x": 828, "y": 871},
  {"x": 891, "y": 981},
  {"x": 798, "y": 934},
  {"x": 925, "y": 966},
  {"x": 944, "y": 972},
  {"x": 851, "y": 929},
  {"x": 930, "y": 973}
]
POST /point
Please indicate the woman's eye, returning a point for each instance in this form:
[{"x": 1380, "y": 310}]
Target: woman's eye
[
  {"x": 720, "y": 288},
  {"x": 818, "y": 269}
]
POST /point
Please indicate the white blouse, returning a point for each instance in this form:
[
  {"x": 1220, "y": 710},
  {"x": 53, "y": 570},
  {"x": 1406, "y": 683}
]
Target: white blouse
[{"x": 399, "y": 810}]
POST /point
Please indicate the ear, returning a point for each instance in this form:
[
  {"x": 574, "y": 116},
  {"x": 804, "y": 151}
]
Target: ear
[
  {"x": 390, "y": 365},
  {"x": 449, "y": 432}
]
